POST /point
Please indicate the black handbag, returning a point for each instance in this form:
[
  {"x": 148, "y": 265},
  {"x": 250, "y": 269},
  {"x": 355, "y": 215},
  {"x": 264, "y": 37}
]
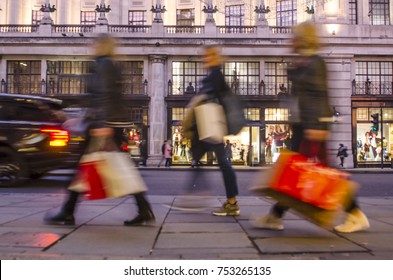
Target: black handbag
[{"x": 234, "y": 112}]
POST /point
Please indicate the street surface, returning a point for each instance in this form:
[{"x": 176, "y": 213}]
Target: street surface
[
  {"x": 99, "y": 233},
  {"x": 163, "y": 181}
]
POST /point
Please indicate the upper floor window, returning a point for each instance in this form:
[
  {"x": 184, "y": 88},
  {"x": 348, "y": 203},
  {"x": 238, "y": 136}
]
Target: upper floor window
[
  {"x": 276, "y": 78},
  {"x": 373, "y": 77},
  {"x": 137, "y": 17},
  {"x": 185, "y": 17},
  {"x": 186, "y": 74},
  {"x": 24, "y": 77},
  {"x": 132, "y": 77},
  {"x": 353, "y": 11},
  {"x": 243, "y": 77},
  {"x": 379, "y": 12},
  {"x": 88, "y": 17},
  {"x": 67, "y": 77},
  {"x": 286, "y": 12},
  {"x": 234, "y": 15},
  {"x": 36, "y": 16}
]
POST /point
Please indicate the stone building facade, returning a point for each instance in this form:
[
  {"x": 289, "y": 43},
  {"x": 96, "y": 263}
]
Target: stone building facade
[{"x": 45, "y": 50}]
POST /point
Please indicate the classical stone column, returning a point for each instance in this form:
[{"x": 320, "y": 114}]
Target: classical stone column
[{"x": 157, "y": 111}]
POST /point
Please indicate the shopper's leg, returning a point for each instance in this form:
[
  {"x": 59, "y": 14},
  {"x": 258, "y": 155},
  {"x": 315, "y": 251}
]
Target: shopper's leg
[
  {"x": 197, "y": 182},
  {"x": 229, "y": 176},
  {"x": 230, "y": 207},
  {"x": 66, "y": 214},
  {"x": 356, "y": 220},
  {"x": 145, "y": 213},
  {"x": 279, "y": 210}
]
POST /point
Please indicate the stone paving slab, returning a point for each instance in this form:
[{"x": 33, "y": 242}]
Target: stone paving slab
[
  {"x": 301, "y": 244},
  {"x": 202, "y": 240},
  {"x": 201, "y": 227},
  {"x": 107, "y": 241}
]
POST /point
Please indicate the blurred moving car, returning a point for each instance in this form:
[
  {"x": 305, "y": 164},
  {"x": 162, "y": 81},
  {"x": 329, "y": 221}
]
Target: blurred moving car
[{"x": 33, "y": 140}]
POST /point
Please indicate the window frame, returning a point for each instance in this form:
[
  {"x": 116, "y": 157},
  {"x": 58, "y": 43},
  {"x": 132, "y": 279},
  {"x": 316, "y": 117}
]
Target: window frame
[
  {"x": 286, "y": 12},
  {"x": 234, "y": 15},
  {"x": 27, "y": 80},
  {"x": 379, "y": 12}
]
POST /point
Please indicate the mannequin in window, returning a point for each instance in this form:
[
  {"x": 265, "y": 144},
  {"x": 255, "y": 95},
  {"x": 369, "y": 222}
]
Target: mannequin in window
[{"x": 176, "y": 142}]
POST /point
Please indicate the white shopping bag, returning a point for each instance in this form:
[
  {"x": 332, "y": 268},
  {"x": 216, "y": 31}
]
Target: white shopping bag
[
  {"x": 211, "y": 122},
  {"x": 119, "y": 175}
]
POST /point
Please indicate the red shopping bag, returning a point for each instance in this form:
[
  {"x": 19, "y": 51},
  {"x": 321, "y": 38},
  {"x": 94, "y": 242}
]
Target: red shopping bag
[
  {"x": 314, "y": 183},
  {"x": 92, "y": 178}
]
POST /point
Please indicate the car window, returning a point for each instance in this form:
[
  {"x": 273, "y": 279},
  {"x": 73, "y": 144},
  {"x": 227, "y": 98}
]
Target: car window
[
  {"x": 6, "y": 112},
  {"x": 35, "y": 111}
]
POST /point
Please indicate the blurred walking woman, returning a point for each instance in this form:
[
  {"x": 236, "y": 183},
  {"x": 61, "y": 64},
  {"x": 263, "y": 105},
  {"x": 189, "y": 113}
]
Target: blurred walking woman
[
  {"x": 310, "y": 126},
  {"x": 105, "y": 99}
]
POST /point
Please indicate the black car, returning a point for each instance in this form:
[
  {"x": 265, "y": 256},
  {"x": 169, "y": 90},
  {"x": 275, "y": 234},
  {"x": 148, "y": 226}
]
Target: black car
[{"x": 33, "y": 140}]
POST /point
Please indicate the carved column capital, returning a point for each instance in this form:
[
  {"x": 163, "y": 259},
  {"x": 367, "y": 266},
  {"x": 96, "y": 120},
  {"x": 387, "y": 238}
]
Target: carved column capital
[{"x": 158, "y": 58}]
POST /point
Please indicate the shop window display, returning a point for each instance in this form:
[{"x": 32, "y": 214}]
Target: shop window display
[
  {"x": 278, "y": 138},
  {"x": 370, "y": 146},
  {"x": 374, "y": 146},
  {"x": 181, "y": 147}
]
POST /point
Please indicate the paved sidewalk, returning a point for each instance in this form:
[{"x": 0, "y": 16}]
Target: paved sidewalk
[{"x": 100, "y": 234}]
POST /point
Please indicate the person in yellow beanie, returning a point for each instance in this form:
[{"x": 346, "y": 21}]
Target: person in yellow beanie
[{"x": 310, "y": 126}]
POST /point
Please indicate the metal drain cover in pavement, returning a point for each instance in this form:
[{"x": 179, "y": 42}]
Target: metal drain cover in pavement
[{"x": 28, "y": 239}]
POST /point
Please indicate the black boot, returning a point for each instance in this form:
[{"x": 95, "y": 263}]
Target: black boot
[
  {"x": 141, "y": 219},
  {"x": 66, "y": 214},
  {"x": 61, "y": 218},
  {"x": 145, "y": 213}
]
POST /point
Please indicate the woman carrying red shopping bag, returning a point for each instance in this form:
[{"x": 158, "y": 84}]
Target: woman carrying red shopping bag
[
  {"x": 104, "y": 86},
  {"x": 310, "y": 120}
]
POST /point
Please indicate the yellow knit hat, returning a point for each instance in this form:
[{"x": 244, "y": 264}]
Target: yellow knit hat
[{"x": 306, "y": 37}]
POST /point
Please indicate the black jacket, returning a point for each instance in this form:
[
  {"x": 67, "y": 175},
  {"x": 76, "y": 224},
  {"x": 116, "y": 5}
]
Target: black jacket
[
  {"x": 105, "y": 90},
  {"x": 214, "y": 84},
  {"x": 309, "y": 85}
]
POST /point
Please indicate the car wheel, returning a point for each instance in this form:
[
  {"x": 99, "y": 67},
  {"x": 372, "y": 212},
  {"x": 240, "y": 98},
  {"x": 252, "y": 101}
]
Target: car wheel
[{"x": 11, "y": 167}]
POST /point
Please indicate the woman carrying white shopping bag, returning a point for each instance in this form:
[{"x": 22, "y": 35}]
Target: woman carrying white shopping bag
[{"x": 106, "y": 97}]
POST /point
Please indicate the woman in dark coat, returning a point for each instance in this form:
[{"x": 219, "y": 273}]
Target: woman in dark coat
[
  {"x": 310, "y": 121},
  {"x": 106, "y": 118}
]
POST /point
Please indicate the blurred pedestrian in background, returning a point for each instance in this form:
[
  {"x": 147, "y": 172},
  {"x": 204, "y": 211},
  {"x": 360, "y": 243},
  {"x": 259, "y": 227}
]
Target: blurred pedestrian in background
[
  {"x": 162, "y": 153},
  {"x": 106, "y": 99},
  {"x": 168, "y": 153},
  {"x": 308, "y": 75},
  {"x": 342, "y": 154}
]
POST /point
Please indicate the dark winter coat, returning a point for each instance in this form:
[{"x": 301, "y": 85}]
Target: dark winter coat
[
  {"x": 105, "y": 93},
  {"x": 309, "y": 87}
]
